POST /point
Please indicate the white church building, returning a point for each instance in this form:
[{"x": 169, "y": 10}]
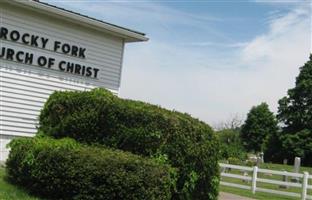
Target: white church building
[{"x": 44, "y": 48}]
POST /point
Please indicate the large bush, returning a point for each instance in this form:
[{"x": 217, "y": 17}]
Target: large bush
[
  {"x": 99, "y": 117},
  {"x": 64, "y": 169}
]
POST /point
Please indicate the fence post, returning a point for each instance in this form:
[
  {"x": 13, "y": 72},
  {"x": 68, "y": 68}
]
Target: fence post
[
  {"x": 304, "y": 185},
  {"x": 254, "y": 180}
]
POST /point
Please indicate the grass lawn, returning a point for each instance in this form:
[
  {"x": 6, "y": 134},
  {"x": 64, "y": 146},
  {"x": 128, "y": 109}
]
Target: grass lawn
[
  {"x": 10, "y": 192},
  {"x": 260, "y": 195}
]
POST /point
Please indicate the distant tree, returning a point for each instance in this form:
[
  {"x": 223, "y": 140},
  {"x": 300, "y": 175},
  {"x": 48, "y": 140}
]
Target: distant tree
[
  {"x": 258, "y": 127},
  {"x": 295, "y": 113},
  {"x": 235, "y": 122},
  {"x": 231, "y": 144},
  {"x": 273, "y": 151}
]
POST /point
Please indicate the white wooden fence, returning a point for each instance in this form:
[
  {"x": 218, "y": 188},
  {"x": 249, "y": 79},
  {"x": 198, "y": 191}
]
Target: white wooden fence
[{"x": 303, "y": 183}]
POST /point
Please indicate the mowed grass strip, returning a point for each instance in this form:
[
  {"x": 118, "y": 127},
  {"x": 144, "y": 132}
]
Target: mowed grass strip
[{"x": 10, "y": 192}]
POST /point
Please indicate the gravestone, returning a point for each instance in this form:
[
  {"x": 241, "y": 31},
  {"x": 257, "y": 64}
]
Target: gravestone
[
  {"x": 261, "y": 157},
  {"x": 285, "y": 179},
  {"x": 258, "y": 162},
  {"x": 296, "y": 169},
  {"x": 285, "y": 161},
  {"x": 297, "y": 164},
  {"x": 245, "y": 173},
  {"x": 253, "y": 158}
]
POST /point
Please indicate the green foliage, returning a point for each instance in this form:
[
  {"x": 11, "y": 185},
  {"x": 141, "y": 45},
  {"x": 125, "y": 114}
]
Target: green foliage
[
  {"x": 273, "y": 151},
  {"x": 250, "y": 163},
  {"x": 99, "y": 117},
  {"x": 231, "y": 144},
  {"x": 295, "y": 112},
  {"x": 258, "y": 127},
  {"x": 64, "y": 169},
  {"x": 234, "y": 161}
]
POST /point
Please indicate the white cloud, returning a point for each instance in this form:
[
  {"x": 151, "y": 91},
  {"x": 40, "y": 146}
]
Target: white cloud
[{"x": 212, "y": 89}]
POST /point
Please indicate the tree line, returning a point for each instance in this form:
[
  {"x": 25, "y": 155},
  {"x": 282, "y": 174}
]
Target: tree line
[{"x": 282, "y": 136}]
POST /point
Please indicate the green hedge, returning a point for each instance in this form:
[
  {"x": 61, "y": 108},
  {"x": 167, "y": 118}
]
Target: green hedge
[
  {"x": 64, "y": 169},
  {"x": 99, "y": 117}
]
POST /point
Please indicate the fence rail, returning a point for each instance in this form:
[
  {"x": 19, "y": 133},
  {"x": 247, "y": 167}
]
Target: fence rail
[{"x": 303, "y": 184}]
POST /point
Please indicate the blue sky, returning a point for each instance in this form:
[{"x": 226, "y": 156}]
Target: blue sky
[{"x": 212, "y": 59}]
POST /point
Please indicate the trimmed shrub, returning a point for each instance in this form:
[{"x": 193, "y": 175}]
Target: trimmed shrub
[
  {"x": 99, "y": 117},
  {"x": 65, "y": 169}
]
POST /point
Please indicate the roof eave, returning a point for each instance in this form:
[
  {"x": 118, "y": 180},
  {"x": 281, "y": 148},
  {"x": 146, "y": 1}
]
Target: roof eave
[{"x": 127, "y": 35}]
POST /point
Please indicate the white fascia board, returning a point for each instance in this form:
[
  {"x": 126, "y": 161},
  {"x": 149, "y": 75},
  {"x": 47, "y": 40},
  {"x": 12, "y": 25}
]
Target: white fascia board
[{"x": 127, "y": 35}]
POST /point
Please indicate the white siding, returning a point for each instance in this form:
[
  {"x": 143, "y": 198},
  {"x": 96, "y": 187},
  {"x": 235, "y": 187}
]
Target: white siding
[
  {"x": 4, "y": 140},
  {"x": 24, "y": 88}
]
